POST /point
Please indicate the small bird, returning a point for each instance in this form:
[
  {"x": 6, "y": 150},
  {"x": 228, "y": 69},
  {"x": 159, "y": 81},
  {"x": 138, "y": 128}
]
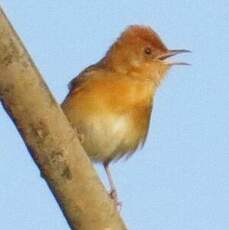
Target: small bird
[{"x": 109, "y": 103}]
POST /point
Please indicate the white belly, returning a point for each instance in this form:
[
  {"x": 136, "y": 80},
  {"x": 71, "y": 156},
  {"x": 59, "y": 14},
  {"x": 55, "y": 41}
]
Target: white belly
[{"x": 107, "y": 136}]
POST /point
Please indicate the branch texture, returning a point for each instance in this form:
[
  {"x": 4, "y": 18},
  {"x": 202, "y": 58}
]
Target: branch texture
[{"x": 51, "y": 140}]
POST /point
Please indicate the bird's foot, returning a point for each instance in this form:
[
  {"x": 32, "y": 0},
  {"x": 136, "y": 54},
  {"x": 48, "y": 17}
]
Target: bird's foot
[
  {"x": 79, "y": 135},
  {"x": 114, "y": 196}
]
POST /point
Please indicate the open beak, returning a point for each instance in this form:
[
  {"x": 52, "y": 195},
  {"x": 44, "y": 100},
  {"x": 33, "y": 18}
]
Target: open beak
[{"x": 171, "y": 53}]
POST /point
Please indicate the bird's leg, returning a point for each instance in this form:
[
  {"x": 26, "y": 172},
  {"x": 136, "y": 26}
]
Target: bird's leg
[{"x": 113, "y": 191}]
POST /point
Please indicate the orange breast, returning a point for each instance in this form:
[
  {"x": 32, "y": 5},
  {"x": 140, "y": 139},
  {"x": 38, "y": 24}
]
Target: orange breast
[{"x": 111, "y": 113}]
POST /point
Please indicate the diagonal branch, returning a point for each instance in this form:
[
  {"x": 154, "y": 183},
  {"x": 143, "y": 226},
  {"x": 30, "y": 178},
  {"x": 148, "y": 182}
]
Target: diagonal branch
[{"x": 51, "y": 140}]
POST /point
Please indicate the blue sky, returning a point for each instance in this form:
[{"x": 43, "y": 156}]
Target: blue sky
[{"x": 180, "y": 179}]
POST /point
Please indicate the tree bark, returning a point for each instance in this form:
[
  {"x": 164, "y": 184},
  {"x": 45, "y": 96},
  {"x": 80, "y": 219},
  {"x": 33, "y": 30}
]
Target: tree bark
[{"x": 51, "y": 140}]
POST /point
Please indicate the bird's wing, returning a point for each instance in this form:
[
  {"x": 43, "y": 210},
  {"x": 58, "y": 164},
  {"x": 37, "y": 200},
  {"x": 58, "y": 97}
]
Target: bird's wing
[
  {"x": 84, "y": 75},
  {"x": 80, "y": 78}
]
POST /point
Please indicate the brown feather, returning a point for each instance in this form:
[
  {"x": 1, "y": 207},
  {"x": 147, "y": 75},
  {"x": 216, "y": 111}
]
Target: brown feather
[{"x": 110, "y": 103}]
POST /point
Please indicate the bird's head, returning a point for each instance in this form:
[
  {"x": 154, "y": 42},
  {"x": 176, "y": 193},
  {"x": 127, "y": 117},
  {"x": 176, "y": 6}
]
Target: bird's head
[{"x": 139, "y": 47}]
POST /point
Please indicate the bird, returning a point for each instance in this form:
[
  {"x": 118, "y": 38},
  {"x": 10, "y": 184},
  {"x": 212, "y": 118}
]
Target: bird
[{"x": 109, "y": 103}]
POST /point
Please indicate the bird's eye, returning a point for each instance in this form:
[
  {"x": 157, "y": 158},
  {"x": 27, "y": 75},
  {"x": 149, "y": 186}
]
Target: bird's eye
[{"x": 148, "y": 50}]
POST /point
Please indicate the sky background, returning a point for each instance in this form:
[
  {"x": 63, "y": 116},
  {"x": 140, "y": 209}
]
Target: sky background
[{"x": 180, "y": 179}]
